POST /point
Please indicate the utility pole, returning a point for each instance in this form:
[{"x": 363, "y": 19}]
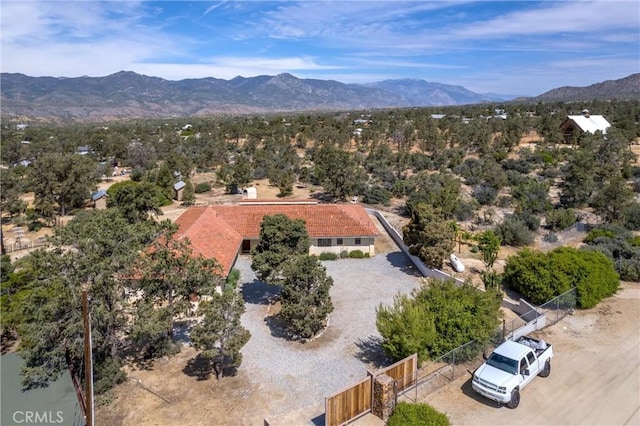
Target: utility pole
[{"x": 88, "y": 360}]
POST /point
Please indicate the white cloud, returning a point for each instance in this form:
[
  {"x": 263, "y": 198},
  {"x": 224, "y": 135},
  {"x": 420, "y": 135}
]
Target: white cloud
[
  {"x": 229, "y": 67},
  {"x": 583, "y": 17}
]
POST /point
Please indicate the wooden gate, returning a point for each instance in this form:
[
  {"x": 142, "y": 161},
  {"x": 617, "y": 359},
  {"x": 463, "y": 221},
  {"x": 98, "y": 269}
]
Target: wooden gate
[
  {"x": 349, "y": 403},
  {"x": 404, "y": 372}
]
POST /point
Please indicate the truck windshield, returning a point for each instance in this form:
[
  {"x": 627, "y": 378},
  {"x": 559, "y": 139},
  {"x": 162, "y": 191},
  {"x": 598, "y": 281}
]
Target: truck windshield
[{"x": 503, "y": 363}]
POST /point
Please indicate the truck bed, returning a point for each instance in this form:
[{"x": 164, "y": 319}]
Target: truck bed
[{"x": 538, "y": 346}]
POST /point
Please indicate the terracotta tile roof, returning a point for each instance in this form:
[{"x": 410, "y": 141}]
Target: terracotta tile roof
[
  {"x": 210, "y": 236},
  {"x": 323, "y": 220},
  {"x": 217, "y": 231}
]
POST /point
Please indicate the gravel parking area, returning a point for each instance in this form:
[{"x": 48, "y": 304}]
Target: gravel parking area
[{"x": 297, "y": 377}]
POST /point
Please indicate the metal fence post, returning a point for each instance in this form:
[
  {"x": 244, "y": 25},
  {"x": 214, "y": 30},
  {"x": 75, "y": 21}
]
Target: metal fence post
[{"x": 453, "y": 367}]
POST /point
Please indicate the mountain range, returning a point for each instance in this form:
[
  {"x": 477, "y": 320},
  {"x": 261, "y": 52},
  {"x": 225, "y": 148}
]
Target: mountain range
[{"x": 129, "y": 95}]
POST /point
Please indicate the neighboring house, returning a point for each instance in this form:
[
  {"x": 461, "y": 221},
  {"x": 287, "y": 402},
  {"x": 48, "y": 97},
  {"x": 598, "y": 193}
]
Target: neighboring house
[
  {"x": 99, "y": 199},
  {"x": 21, "y": 126},
  {"x": 574, "y": 125},
  {"x": 178, "y": 189},
  {"x": 224, "y": 231},
  {"x": 84, "y": 150},
  {"x": 438, "y": 116}
]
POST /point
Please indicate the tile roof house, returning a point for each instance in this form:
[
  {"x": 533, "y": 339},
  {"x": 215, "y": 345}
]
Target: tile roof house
[
  {"x": 574, "y": 125},
  {"x": 224, "y": 231}
]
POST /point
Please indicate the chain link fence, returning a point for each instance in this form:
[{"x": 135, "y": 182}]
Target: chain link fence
[{"x": 466, "y": 358}]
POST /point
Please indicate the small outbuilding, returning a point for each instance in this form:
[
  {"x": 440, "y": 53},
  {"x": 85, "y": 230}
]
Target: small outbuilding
[
  {"x": 99, "y": 199},
  {"x": 178, "y": 189},
  {"x": 250, "y": 193}
]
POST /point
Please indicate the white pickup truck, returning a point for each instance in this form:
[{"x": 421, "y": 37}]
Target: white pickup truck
[{"x": 511, "y": 367}]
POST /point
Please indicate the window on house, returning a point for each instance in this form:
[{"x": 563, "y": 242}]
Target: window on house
[
  {"x": 358, "y": 241},
  {"x": 339, "y": 241},
  {"x": 324, "y": 242}
]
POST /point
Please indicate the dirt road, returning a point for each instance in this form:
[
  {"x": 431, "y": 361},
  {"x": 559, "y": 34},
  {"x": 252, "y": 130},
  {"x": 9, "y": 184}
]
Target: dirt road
[{"x": 595, "y": 378}]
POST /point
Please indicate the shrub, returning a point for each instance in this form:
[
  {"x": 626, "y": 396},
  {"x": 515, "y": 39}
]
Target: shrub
[
  {"x": 34, "y": 226},
  {"x": 437, "y": 319},
  {"x": 531, "y": 220},
  {"x": 559, "y": 219},
  {"x": 539, "y": 277},
  {"x": 356, "y": 254},
  {"x": 505, "y": 201},
  {"x": 344, "y": 254},
  {"x": 632, "y": 216},
  {"x": 465, "y": 210},
  {"x": 607, "y": 231},
  {"x": 137, "y": 174},
  {"x": 417, "y": 415},
  {"x": 202, "y": 187},
  {"x": 377, "y": 195},
  {"x": 550, "y": 237},
  {"x": 327, "y": 256},
  {"x": 232, "y": 279},
  {"x": 514, "y": 232},
  {"x": 485, "y": 195},
  {"x": 629, "y": 269}
]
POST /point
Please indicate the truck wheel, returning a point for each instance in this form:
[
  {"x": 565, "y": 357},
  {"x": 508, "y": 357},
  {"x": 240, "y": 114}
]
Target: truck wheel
[
  {"x": 546, "y": 370},
  {"x": 515, "y": 399}
]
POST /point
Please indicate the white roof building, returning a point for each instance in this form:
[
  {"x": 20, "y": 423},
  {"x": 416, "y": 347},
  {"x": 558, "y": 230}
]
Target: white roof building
[{"x": 585, "y": 123}]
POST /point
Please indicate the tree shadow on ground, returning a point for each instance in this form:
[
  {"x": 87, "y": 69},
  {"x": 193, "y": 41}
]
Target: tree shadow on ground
[
  {"x": 199, "y": 367},
  {"x": 370, "y": 352},
  {"x": 259, "y": 293},
  {"x": 399, "y": 260},
  {"x": 278, "y": 327}
]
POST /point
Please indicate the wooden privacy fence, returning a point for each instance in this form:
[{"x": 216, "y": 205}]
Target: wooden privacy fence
[
  {"x": 349, "y": 403},
  {"x": 404, "y": 372},
  {"x": 357, "y": 400}
]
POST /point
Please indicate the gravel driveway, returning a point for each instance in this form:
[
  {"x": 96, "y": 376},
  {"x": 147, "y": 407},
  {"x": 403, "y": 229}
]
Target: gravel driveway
[{"x": 297, "y": 377}]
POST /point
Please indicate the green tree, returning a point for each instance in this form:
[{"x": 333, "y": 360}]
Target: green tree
[
  {"x": 306, "y": 302},
  {"x": 164, "y": 180},
  {"x": 136, "y": 201},
  {"x": 91, "y": 253},
  {"x": 440, "y": 190},
  {"x": 339, "y": 172},
  {"x": 406, "y": 328},
  {"x": 439, "y": 318},
  {"x": 13, "y": 186},
  {"x": 189, "y": 194},
  {"x": 281, "y": 238},
  {"x": 62, "y": 180},
  {"x": 612, "y": 200},
  {"x": 284, "y": 180},
  {"x": 241, "y": 173},
  {"x": 428, "y": 235},
  {"x": 220, "y": 335},
  {"x": 171, "y": 273},
  {"x": 489, "y": 246}
]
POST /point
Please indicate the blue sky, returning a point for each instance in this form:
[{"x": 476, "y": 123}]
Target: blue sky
[{"x": 508, "y": 47}]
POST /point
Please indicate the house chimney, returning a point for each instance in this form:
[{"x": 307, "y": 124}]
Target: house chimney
[{"x": 585, "y": 112}]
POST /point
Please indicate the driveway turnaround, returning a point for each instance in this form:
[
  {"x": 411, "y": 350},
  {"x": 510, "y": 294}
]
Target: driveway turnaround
[{"x": 297, "y": 377}]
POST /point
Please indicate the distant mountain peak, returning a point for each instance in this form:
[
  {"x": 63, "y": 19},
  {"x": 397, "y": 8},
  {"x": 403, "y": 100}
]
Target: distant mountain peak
[
  {"x": 626, "y": 88},
  {"x": 128, "y": 94}
]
